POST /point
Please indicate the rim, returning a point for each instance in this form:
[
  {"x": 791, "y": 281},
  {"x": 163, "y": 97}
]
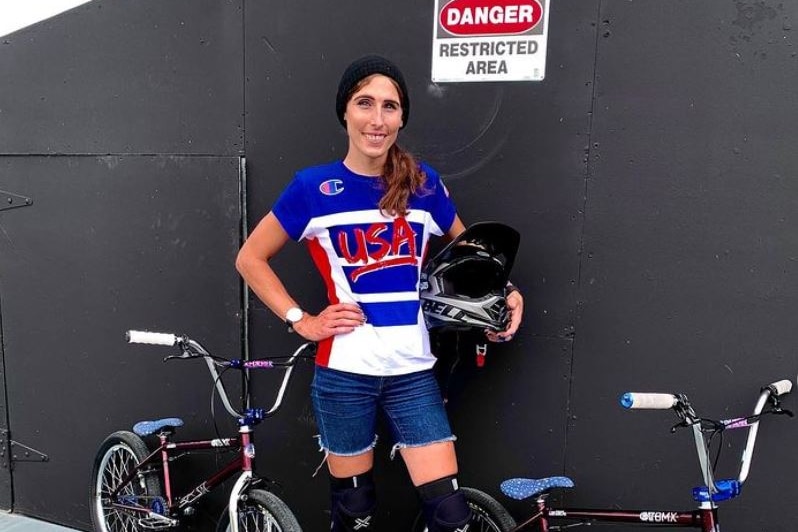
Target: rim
[
  {"x": 117, "y": 462},
  {"x": 257, "y": 519}
]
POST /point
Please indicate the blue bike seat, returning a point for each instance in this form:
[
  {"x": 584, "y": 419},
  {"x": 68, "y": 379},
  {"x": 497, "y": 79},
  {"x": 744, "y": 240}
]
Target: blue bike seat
[
  {"x": 145, "y": 428},
  {"x": 523, "y": 488}
]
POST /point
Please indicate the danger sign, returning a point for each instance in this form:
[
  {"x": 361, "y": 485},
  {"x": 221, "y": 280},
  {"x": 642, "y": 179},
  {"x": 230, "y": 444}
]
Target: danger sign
[{"x": 489, "y": 40}]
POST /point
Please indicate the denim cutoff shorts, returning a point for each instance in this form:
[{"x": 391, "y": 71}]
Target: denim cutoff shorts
[{"x": 347, "y": 404}]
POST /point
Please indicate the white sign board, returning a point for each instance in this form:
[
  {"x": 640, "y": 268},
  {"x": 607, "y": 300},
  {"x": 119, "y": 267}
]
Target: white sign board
[
  {"x": 18, "y": 14},
  {"x": 489, "y": 40}
]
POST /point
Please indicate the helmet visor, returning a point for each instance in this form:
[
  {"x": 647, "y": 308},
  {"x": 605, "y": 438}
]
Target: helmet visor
[
  {"x": 472, "y": 273},
  {"x": 490, "y": 249}
]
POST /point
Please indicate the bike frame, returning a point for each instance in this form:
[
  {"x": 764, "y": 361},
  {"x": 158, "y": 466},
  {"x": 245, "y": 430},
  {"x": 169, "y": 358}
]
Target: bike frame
[
  {"x": 164, "y": 453},
  {"x": 705, "y": 518}
]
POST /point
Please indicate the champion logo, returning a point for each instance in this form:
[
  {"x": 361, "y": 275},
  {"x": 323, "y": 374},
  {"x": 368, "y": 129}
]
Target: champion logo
[{"x": 331, "y": 187}]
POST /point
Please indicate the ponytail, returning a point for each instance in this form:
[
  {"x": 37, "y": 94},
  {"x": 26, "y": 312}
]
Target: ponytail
[{"x": 402, "y": 178}]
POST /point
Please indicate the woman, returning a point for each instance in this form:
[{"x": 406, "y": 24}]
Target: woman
[{"x": 366, "y": 221}]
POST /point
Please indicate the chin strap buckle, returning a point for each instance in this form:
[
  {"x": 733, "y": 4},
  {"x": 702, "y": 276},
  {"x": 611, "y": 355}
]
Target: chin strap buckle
[{"x": 482, "y": 351}]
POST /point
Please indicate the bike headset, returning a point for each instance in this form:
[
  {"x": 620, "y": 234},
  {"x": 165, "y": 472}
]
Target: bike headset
[{"x": 464, "y": 286}]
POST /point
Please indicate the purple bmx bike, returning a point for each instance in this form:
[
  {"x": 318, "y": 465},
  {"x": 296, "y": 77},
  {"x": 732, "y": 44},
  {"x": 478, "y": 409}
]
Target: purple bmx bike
[
  {"x": 490, "y": 516},
  {"x": 133, "y": 482}
]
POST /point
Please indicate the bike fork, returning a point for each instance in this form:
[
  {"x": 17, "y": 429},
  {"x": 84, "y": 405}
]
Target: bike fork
[
  {"x": 235, "y": 496},
  {"x": 247, "y": 454}
]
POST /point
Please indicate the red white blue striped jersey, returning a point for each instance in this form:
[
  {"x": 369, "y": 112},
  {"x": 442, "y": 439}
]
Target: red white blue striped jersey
[{"x": 369, "y": 259}]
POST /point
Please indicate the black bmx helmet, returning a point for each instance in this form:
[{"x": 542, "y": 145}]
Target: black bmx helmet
[{"x": 463, "y": 287}]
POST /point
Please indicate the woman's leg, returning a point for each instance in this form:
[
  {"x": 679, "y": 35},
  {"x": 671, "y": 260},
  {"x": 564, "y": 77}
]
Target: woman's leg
[
  {"x": 418, "y": 421},
  {"x": 433, "y": 469},
  {"x": 430, "y": 462},
  {"x": 350, "y": 466},
  {"x": 352, "y": 493},
  {"x": 345, "y": 408}
]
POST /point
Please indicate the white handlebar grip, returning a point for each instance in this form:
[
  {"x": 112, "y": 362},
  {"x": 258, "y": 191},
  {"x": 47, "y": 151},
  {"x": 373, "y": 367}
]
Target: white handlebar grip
[
  {"x": 653, "y": 401},
  {"x": 152, "y": 338},
  {"x": 781, "y": 387}
]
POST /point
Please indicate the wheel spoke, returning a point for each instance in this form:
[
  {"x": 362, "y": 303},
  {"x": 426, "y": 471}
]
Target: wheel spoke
[
  {"x": 117, "y": 462},
  {"x": 257, "y": 519}
]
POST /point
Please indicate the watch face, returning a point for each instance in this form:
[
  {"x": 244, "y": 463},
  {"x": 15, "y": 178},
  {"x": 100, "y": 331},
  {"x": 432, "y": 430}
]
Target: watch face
[{"x": 293, "y": 315}]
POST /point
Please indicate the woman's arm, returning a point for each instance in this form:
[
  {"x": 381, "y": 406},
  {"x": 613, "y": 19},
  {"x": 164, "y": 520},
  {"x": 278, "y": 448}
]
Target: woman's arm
[
  {"x": 252, "y": 262},
  {"x": 456, "y": 228}
]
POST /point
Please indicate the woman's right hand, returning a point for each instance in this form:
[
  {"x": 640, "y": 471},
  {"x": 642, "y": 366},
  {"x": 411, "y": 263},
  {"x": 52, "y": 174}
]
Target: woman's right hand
[{"x": 340, "y": 318}]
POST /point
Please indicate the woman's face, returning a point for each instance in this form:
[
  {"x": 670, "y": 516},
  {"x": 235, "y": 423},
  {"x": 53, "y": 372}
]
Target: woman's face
[{"x": 373, "y": 117}]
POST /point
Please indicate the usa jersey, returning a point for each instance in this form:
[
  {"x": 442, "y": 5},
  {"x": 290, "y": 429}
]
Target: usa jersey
[{"x": 369, "y": 259}]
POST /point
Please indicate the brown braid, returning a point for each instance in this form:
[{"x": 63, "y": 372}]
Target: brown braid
[{"x": 402, "y": 177}]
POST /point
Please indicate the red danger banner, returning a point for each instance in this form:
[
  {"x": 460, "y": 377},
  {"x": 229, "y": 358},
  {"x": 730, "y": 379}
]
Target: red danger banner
[{"x": 482, "y": 17}]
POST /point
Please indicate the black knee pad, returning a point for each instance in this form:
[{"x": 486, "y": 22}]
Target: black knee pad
[
  {"x": 353, "y": 502},
  {"x": 445, "y": 506}
]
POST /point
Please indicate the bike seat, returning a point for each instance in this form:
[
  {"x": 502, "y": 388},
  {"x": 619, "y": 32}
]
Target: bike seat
[
  {"x": 169, "y": 424},
  {"x": 523, "y": 488}
]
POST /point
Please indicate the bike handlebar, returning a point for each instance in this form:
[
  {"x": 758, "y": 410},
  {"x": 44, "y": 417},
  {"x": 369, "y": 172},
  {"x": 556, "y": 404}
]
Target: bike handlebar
[
  {"x": 680, "y": 404},
  {"x": 652, "y": 401},
  {"x": 192, "y": 347},
  {"x": 151, "y": 338},
  {"x": 781, "y": 387},
  {"x": 665, "y": 401}
]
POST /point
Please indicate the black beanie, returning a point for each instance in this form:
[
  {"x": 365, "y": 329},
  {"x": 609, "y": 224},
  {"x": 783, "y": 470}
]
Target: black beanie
[{"x": 362, "y": 68}]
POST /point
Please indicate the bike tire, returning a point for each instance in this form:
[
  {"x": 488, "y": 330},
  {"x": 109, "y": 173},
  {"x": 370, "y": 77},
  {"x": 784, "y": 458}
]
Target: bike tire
[
  {"x": 488, "y": 514},
  {"x": 261, "y": 511},
  {"x": 118, "y": 455}
]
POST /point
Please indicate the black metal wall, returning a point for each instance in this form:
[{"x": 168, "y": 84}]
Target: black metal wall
[
  {"x": 651, "y": 175},
  {"x": 122, "y": 123},
  {"x": 689, "y": 257}
]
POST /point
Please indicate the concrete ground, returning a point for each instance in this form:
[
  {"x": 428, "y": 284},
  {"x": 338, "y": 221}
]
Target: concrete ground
[{"x": 19, "y": 523}]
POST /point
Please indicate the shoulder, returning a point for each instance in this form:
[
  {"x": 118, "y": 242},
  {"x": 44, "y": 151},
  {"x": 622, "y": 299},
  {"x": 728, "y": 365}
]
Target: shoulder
[
  {"x": 432, "y": 177},
  {"x": 428, "y": 170},
  {"x": 433, "y": 181}
]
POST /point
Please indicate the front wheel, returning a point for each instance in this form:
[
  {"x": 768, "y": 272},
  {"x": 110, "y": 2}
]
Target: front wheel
[
  {"x": 487, "y": 514},
  {"x": 118, "y": 456},
  {"x": 261, "y": 511}
]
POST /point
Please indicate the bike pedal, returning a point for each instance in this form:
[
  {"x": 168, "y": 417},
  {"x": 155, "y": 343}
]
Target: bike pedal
[{"x": 157, "y": 523}]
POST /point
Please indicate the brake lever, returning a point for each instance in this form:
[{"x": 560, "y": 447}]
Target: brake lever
[
  {"x": 682, "y": 424},
  {"x": 184, "y": 354},
  {"x": 780, "y": 411},
  {"x": 776, "y": 407}
]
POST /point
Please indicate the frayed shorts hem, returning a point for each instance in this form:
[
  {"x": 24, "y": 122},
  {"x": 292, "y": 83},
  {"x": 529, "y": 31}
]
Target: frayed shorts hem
[
  {"x": 399, "y": 445},
  {"x": 353, "y": 453}
]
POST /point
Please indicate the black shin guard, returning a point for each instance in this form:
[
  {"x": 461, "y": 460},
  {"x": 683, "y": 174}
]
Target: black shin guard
[
  {"x": 445, "y": 506},
  {"x": 353, "y": 502}
]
